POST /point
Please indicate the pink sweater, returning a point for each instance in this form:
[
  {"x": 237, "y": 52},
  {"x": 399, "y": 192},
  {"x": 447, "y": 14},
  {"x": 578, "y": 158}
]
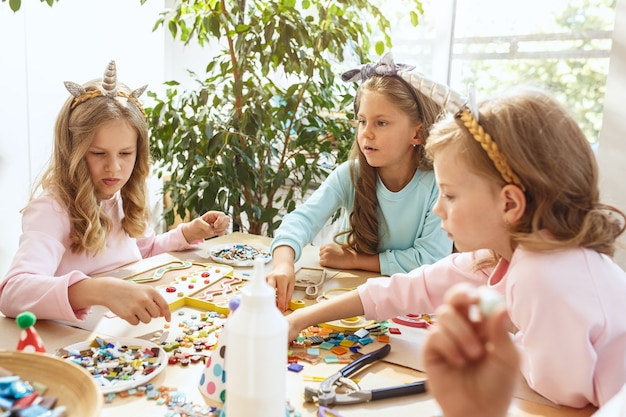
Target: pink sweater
[
  {"x": 568, "y": 307},
  {"x": 44, "y": 267}
]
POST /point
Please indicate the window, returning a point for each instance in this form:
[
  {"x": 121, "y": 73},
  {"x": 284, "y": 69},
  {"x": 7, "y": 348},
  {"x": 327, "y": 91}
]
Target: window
[{"x": 562, "y": 46}]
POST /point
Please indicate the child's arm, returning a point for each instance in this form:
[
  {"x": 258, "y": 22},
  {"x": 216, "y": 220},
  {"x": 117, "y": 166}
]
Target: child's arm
[
  {"x": 471, "y": 363},
  {"x": 420, "y": 291},
  {"x": 130, "y": 301},
  {"x": 185, "y": 236},
  {"x": 346, "y": 305}
]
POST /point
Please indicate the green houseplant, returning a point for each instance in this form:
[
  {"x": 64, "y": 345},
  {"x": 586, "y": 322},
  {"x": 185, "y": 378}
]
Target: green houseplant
[
  {"x": 266, "y": 120},
  {"x": 16, "y": 4}
]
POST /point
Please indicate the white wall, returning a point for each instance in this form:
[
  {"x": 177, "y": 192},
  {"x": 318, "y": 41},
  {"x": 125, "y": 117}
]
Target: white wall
[
  {"x": 612, "y": 150},
  {"x": 43, "y": 46}
]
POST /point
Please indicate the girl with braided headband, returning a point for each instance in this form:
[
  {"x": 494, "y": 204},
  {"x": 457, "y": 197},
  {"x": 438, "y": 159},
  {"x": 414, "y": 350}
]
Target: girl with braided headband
[
  {"x": 92, "y": 214},
  {"x": 387, "y": 189},
  {"x": 518, "y": 185}
]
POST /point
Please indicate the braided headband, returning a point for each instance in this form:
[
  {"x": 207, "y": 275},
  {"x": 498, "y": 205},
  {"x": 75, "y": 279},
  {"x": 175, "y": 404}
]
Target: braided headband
[
  {"x": 384, "y": 67},
  {"x": 466, "y": 109},
  {"x": 109, "y": 85}
]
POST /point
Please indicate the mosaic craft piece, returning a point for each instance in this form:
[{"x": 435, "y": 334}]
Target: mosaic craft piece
[
  {"x": 208, "y": 288},
  {"x": 160, "y": 271}
]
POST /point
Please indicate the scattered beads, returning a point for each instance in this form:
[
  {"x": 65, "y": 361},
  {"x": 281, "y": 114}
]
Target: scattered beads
[
  {"x": 240, "y": 252},
  {"x": 196, "y": 337},
  {"x": 113, "y": 364},
  {"x": 25, "y": 398},
  {"x": 177, "y": 404}
]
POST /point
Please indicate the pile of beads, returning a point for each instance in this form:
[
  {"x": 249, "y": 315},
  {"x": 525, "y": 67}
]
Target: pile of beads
[
  {"x": 198, "y": 335},
  {"x": 115, "y": 363},
  {"x": 175, "y": 401},
  {"x": 343, "y": 345},
  {"x": 240, "y": 252},
  {"x": 26, "y": 399}
]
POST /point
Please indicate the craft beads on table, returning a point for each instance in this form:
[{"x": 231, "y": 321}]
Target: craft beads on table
[
  {"x": 113, "y": 363},
  {"x": 25, "y": 398},
  {"x": 241, "y": 252}
]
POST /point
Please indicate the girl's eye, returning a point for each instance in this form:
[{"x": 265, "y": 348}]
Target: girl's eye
[
  {"x": 447, "y": 197},
  {"x": 97, "y": 153},
  {"x": 382, "y": 123}
]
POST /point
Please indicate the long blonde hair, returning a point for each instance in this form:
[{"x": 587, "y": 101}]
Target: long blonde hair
[
  {"x": 363, "y": 235},
  {"x": 546, "y": 148},
  {"x": 67, "y": 176}
]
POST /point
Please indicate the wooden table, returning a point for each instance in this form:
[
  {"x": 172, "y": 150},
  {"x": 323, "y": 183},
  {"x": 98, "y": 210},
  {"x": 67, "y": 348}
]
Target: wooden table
[{"x": 56, "y": 335}]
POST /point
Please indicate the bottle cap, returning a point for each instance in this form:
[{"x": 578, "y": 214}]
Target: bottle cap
[{"x": 259, "y": 287}]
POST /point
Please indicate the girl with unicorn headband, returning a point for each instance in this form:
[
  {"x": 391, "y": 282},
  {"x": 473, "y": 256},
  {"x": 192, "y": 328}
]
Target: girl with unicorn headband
[
  {"x": 92, "y": 214},
  {"x": 518, "y": 194}
]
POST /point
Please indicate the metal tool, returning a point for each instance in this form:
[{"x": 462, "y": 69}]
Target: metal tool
[{"x": 326, "y": 395}]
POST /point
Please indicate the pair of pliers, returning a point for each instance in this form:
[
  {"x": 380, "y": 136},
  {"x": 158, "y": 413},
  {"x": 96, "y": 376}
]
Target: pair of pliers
[{"x": 325, "y": 395}]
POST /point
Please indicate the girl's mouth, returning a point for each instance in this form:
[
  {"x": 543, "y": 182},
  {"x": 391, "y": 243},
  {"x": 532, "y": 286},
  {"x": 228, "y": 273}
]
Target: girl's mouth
[{"x": 110, "y": 181}]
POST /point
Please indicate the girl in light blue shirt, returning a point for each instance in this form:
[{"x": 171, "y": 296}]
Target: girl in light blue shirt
[{"x": 386, "y": 188}]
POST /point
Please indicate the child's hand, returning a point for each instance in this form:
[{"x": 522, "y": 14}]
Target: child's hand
[
  {"x": 283, "y": 278},
  {"x": 283, "y": 275},
  {"x": 471, "y": 365},
  {"x": 136, "y": 302},
  {"x": 211, "y": 223},
  {"x": 333, "y": 255},
  {"x": 130, "y": 301}
]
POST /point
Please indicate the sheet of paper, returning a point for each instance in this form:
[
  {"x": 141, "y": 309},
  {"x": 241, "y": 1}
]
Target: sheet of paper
[
  {"x": 406, "y": 347},
  {"x": 406, "y": 350}
]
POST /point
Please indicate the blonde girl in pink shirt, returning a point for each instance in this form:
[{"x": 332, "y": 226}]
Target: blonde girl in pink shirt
[
  {"x": 92, "y": 214},
  {"x": 519, "y": 196}
]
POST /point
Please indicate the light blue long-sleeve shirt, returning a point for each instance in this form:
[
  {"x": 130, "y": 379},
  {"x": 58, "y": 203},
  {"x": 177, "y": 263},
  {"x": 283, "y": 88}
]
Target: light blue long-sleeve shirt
[{"x": 410, "y": 232}]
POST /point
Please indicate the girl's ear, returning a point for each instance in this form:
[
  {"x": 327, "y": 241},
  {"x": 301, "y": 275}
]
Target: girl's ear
[
  {"x": 514, "y": 203},
  {"x": 418, "y": 137}
]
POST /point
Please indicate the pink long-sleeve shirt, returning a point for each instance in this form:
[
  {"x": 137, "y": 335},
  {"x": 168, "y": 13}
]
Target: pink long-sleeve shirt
[
  {"x": 568, "y": 307},
  {"x": 44, "y": 267}
]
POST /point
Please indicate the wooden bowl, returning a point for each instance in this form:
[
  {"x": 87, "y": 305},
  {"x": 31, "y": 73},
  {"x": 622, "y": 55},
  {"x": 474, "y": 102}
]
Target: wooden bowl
[{"x": 72, "y": 385}]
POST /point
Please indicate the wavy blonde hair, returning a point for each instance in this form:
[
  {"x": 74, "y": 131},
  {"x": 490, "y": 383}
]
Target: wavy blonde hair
[
  {"x": 546, "y": 148},
  {"x": 363, "y": 234},
  {"x": 67, "y": 176}
]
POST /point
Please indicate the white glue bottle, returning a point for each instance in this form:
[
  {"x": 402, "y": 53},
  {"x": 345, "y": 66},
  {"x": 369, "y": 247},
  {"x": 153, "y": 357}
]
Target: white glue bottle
[{"x": 257, "y": 352}]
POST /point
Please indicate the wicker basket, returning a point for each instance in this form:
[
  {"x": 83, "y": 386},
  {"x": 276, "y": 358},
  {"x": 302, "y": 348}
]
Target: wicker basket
[{"x": 71, "y": 384}]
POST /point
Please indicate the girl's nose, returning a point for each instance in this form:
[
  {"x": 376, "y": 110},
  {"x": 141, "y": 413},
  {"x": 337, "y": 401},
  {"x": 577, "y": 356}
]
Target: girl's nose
[
  {"x": 112, "y": 164},
  {"x": 438, "y": 209},
  {"x": 366, "y": 132}
]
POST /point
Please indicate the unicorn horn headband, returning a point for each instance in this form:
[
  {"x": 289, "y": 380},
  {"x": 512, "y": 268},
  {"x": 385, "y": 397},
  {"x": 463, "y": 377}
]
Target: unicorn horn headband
[
  {"x": 464, "y": 108},
  {"x": 109, "y": 85}
]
